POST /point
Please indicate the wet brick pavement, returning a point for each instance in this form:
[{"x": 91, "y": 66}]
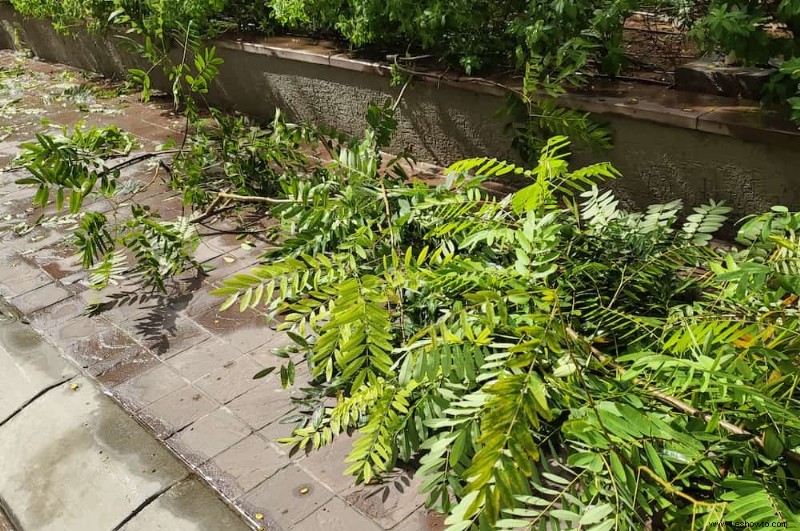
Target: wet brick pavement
[{"x": 175, "y": 362}]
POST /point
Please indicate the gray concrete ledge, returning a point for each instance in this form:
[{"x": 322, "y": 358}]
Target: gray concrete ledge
[{"x": 677, "y": 108}]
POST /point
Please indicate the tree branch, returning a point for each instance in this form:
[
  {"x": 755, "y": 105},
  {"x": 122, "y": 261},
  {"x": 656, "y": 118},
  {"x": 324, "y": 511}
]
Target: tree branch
[
  {"x": 257, "y": 199},
  {"x": 676, "y": 403}
]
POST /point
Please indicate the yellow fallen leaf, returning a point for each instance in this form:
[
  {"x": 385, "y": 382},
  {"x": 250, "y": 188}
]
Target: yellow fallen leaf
[
  {"x": 259, "y": 516},
  {"x": 746, "y": 341},
  {"x": 74, "y": 387},
  {"x": 304, "y": 490},
  {"x": 229, "y": 259}
]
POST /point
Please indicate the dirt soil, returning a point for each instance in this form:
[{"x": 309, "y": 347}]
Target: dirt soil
[{"x": 655, "y": 48}]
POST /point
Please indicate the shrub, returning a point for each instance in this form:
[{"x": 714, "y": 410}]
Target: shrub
[{"x": 751, "y": 31}]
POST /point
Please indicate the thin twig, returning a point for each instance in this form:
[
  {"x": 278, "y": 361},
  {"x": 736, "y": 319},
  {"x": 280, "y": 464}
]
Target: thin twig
[
  {"x": 210, "y": 214},
  {"x": 257, "y": 199},
  {"x": 676, "y": 403},
  {"x": 139, "y": 158}
]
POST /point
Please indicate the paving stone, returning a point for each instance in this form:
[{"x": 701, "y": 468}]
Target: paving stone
[
  {"x": 102, "y": 351},
  {"x": 201, "y": 301},
  {"x": 228, "y": 264},
  {"x": 77, "y": 282},
  {"x": 63, "y": 268},
  {"x": 166, "y": 332},
  {"x": 422, "y": 520},
  {"x": 244, "y": 330},
  {"x": 264, "y": 355},
  {"x": 388, "y": 503},
  {"x": 232, "y": 246},
  {"x": 231, "y": 380},
  {"x": 38, "y": 239},
  {"x": 76, "y": 328},
  {"x": 176, "y": 411},
  {"x": 328, "y": 464},
  {"x": 280, "y": 430},
  {"x": 168, "y": 207},
  {"x": 210, "y": 248},
  {"x": 336, "y": 515},
  {"x": 52, "y": 319},
  {"x": 40, "y": 298},
  {"x": 18, "y": 276},
  {"x": 209, "y": 436},
  {"x": 200, "y": 360},
  {"x": 188, "y": 506},
  {"x": 243, "y": 466},
  {"x": 122, "y": 303},
  {"x": 288, "y": 497},
  {"x": 57, "y": 261},
  {"x": 128, "y": 368},
  {"x": 148, "y": 387},
  {"x": 263, "y": 404}
]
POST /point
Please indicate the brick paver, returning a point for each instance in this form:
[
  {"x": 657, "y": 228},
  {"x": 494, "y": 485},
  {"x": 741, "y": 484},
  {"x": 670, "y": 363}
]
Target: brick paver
[{"x": 174, "y": 361}]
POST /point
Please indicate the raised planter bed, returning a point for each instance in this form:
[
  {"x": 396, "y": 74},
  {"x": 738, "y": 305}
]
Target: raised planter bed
[{"x": 669, "y": 144}]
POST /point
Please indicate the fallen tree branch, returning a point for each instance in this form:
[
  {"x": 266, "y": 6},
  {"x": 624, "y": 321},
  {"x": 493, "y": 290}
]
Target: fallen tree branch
[
  {"x": 256, "y": 199},
  {"x": 676, "y": 403}
]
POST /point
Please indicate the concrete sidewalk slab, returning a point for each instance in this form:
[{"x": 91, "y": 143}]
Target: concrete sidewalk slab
[
  {"x": 188, "y": 506},
  {"x": 5, "y": 523},
  {"x": 74, "y": 460},
  {"x": 71, "y": 459},
  {"x": 26, "y": 373}
]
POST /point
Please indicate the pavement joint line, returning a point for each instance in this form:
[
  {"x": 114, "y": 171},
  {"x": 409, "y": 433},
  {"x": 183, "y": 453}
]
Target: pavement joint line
[
  {"x": 36, "y": 397},
  {"x": 5, "y": 512},
  {"x": 142, "y": 506}
]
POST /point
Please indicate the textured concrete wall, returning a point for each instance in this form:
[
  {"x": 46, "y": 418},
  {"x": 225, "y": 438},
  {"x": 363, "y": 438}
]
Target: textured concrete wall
[
  {"x": 444, "y": 123},
  {"x": 660, "y": 163},
  {"x": 438, "y": 124}
]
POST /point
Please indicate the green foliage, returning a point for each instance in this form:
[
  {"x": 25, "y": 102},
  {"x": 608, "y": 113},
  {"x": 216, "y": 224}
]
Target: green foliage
[
  {"x": 471, "y": 33},
  {"x": 784, "y": 86},
  {"x": 744, "y": 29},
  {"x": 541, "y": 356},
  {"x": 155, "y": 14},
  {"x": 756, "y": 33},
  {"x": 72, "y": 165},
  {"x": 248, "y": 160},
  {"x": 557, "y": 38},
  {"x": 69, "y": 168},
  {"x": 160, "y": 250}
]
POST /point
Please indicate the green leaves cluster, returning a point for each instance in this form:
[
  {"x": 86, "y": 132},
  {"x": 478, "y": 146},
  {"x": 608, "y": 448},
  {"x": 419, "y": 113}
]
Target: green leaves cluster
[
  {"x": 549, "y": 359},
  {"x": 71, "y": 165},
  {"x": 143, "y": 249},
  {"x": 747, "y": 29}
]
